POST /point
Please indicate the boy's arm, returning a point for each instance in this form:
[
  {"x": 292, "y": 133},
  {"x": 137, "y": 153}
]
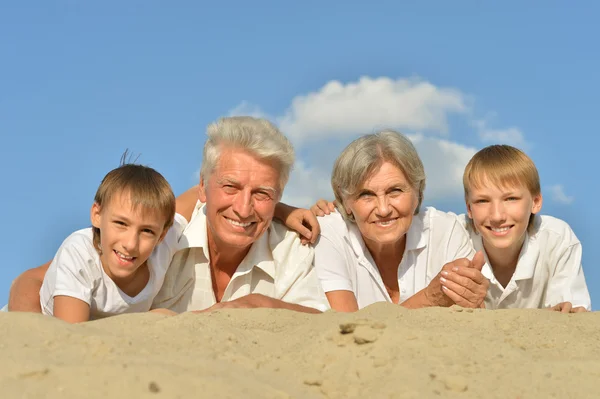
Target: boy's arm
[
  {"x": 186, "y": 202},
  {"x": 25, "y": 290},
  {"x": 71, "y": 310}
]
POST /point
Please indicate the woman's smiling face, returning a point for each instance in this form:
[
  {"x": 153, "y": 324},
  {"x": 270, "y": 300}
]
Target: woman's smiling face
[{"x": 384, "y": 206}]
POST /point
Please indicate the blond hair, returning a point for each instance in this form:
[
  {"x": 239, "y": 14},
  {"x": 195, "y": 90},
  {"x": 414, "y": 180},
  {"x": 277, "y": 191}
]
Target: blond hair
[
  {"x": 257, "y": 136},
  {"x": 502, "y": 166},
  {"x": 144, "y": 186},
  {"x": 365, "y": 155}
]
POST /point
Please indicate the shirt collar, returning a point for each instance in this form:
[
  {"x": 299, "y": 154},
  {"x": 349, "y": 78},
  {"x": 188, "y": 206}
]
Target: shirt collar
[
  {"x": 195, "y": 236},
  {"x": 526, "y": 262}
]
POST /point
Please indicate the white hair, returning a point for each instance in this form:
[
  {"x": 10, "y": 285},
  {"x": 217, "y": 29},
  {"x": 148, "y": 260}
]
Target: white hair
[{"x": 257, "y": 136}]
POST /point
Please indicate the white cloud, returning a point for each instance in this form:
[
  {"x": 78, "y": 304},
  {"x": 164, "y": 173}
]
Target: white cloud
[
  {"x": 511, "y": 136},
  {"x": 444, "y": 163},
  {"x": 342, "y": 110},
  {"x": 558, "y": 194},
  {"x": 323, "y": 122}
]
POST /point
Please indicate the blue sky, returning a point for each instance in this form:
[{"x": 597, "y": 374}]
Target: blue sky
[{"x": 82, "y": 81}]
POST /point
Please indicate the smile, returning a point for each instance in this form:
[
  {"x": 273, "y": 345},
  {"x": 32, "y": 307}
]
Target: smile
[
  {"x": 386, "y": 222},
  {"x": 238, "y": 224},
  {"x": 499, "y": 230}
]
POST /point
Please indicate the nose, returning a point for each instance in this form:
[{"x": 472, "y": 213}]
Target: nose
[
  {"x": 130, "y": 241},
  {"x": 498, "y": 212},
  {"x": 383, "y": 206},
  {"x": 243, "y": 205}
]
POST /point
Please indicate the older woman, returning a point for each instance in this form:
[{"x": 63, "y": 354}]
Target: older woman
[{"x": 380, "y": 246}]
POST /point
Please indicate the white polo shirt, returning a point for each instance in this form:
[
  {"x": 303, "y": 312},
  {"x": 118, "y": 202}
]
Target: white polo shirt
[
  {"x": 548, "y": 270},
  {"x": 76, "y": 271},
  {"x": 343, "y": 261},
  {"x": 277, "y": 266}
]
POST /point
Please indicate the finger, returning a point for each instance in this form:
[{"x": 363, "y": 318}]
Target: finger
[
  {"x": 458, "y": 299},
  {"x": 566, "y": 307},
  {"x": 468, "y": 272},
  {"x": 579, "y": 309},
  {"x": 302, "y": 230},
  {"x": 466, "y": 288},
  {"x": 461, "y": 262},
  {"x": 478, "y": 260},
  {"x": 316, "y": 210},
  {"x": 324, "y": 206},
  {"x": 332, "y": 206}
]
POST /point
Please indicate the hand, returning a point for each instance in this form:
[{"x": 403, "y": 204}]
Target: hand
[
  {"x": 304, "y": 223},
  {"x": 250, "y": 301},
  {"x": 567, "y": 307},
  {"x": 460, "y": 282},
  {"x": 322, "y": 208}
]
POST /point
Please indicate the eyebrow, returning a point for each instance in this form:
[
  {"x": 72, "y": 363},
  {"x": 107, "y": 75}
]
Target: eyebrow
[
  {"x": 128, "y": 221},
  {"x": 236, "y": 182}
]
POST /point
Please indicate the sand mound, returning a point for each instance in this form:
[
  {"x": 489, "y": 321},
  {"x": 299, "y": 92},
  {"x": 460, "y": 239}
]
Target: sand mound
[{"x": 383, "y": 351}]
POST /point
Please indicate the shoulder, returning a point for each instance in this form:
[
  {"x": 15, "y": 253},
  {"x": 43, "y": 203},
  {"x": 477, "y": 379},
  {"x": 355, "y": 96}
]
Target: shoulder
[
  {"x": 333, "y": 224},
  {"x": 439, "y": 220},
  {"x": 285, "y": 244},
  {"x": 549, "y": 228},
  {"x": 80, "y": 241}
]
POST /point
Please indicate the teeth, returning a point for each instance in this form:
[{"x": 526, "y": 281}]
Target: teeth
[
  {"x": 240, "y": 224},
  {"x": 500, "y": 230},
  {"x": 386, "y": 223},
  {"x": 120, "y": 255}
]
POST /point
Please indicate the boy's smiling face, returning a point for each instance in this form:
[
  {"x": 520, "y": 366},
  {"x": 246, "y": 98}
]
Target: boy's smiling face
[
  {"x": 501, "y": 214},
  {"x": 127, "y": 236}
]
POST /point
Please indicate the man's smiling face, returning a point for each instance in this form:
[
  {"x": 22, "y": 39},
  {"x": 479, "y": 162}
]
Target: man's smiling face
[{"x": 240, "y": 196}]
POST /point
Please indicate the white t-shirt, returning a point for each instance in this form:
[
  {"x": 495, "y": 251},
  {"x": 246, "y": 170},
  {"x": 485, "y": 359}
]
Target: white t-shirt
[
  {"x": 277, "y": 266},
  {"x": 343, "y": 261},
  {"x": 77, "y": 272},
  {"x": 548, "y": 271}
]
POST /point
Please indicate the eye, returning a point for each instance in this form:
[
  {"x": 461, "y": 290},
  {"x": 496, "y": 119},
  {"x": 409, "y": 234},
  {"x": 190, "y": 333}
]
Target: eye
[
  {"x": 512, "y": 199},
  {"x": 364, "y": 194},
  {"x": 119, "y": 223},
  {"x": 480, "y": 201},
  {"x": 148, "y": 231},
  {"x": 262, "y": 195}
]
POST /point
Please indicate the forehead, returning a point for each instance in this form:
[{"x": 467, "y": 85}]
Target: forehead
[
  {"x": 246, "y": 168},
  {"x": 120, "y": 204},
  {"x": 483, "y": 184},
  {"x": 386, "y": 174}
]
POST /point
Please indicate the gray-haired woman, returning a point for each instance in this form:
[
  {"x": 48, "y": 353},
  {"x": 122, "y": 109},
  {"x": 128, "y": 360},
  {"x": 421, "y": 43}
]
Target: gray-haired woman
[{"x": 380, "y": 246}]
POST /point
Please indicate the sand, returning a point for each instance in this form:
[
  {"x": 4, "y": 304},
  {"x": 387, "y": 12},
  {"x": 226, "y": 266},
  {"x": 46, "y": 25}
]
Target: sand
[{"x": 383, "y": 351}]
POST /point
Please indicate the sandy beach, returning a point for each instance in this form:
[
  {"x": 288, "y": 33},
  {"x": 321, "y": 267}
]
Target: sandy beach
[{"x": 382, "y": 351}]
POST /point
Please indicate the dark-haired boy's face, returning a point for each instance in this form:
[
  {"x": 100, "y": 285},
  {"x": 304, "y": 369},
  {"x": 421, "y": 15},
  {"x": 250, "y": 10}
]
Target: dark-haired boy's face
[
  {"x": 501, "y": 215},
  {"x": 128, "y": 236}
]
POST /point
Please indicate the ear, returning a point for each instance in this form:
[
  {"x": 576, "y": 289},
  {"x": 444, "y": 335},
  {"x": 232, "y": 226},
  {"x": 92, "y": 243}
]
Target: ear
[
  {"x": 202, "y": 191},
  {"x": 95, "y": 215},
  {"x": 162, "y": 236},
  {"x": 537, "y": 204},
  {"x": 468, "y": 209}
]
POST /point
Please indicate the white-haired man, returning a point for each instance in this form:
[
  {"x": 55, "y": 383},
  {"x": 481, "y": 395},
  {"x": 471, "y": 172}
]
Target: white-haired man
[{"x": 232, "y": 254}]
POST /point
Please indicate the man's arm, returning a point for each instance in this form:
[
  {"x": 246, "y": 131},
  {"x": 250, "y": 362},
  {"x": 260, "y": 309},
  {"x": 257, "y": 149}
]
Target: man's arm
[
  {"x": 259, "y": 301},
  {"x": 25, "y": 290}
]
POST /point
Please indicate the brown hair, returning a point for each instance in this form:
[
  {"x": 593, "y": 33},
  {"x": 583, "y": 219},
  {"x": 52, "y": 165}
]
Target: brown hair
[
  {"x": 145, "y": 186},
  {"x": 501, "y": 165}
]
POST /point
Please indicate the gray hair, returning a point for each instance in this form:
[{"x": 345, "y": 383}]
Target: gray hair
[
  {"x": 365, "y": 155},
  {"x": 258, "y": 136}
]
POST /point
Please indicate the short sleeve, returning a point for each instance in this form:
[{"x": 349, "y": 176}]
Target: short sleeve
[
  {"x": 330, "y": 262},
  {"x": 71, "y": 272},
  {"x": 567, "y": 283}
]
